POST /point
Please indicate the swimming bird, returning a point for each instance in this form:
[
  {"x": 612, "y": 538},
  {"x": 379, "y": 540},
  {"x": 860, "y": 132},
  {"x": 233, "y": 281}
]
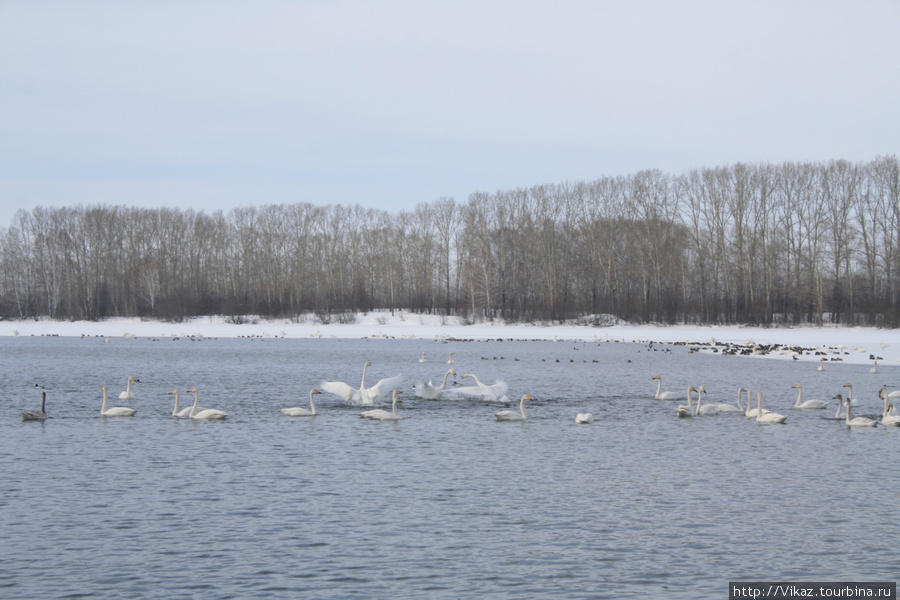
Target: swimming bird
[
  {"x": 379, "y": 414},
  {"x": 766, "y": 417},
  {"x": 751, "y": 413},
  {"x": 686, "y": 411},
  {"x": 852, "y": 421},
  {"x": 127, "y": 395},
  {"x": 874, "y": 368},
  {"x": 430, "y": 391},
  {"x": 511, "y": 415},
  {"x": 850, "y": 397},
  {"x": 423, "y": 358},
  {"x": 888, "y": 417},
  {"x": 363, "y": 395},
  {"x": 40, "y": 415},
  {"x": 584, "y": 418},
  {"x": 663, "y": 395},
  {"x": 807, "y": 403},
  {"x": 299, "y": 411},
  {"x": 450, "y": 360},
  {"x": 206, "y": 414},
  {"x": 701, "y": 410},
  {"x": 493, "y": 392},
  {"x": 184, "y": 412},
  {"x": 725, "y": 407},
  {"x": 821, "y": 364},
  {"x": 115, "y": 411}
]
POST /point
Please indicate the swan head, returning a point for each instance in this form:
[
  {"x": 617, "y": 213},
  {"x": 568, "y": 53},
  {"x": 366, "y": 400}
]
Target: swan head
[
  {"x": 796, "y": 385},
  {"x": 452, "y": 372},
  {"x": 657, "y": 377},
  {"x": 134, "y": 379},
  {"x": 368, "y": 363},
  {"x": 848, "y": 384},
  {"x": 315, "y": 392},
  {"x": 838, "y": 397},
  {"x": 526, "y": 397},
  {"x": 703, "y": 389},
  {"x": 193, "y": 389},
  {"x": 173, "y": 392}
]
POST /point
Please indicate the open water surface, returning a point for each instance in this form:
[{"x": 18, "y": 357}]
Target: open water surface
[{"x": 447, "y": 503}]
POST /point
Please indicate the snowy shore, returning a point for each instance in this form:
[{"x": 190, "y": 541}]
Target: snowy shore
[{"x": 856, "y": 345}]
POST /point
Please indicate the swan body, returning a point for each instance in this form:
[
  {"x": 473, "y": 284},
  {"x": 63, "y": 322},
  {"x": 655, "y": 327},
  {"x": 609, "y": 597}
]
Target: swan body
[
  {"x": 40, "y": 415},
  {"x": 423, "y": 358},
  {"x": 766, "y": 417},
  {"x": 115, "y": 411},
  {"x": 430, "y": 391},
  {"x": 206, "y": 414},
  {"x": 511, "y": 415},
  {"x": 887, "y": 417},
  {"x": 663, "y": 395},
  {"x": 587, "y": 418},
  {"x": 184, "y": 412},
  {"x": 379, "y": 414},
  {"x": 686, "y": 411},
  {"x": 821, "y": 366},
  {"x": 704, "y": 411},
  {"x": 450, "y": 360},
  {"x": 299, "y": 411},
  {"x": 807, "y": 403},
  {"x": 127, "y": 395},
  {"x": 363, "y": 395},
  {"x": 725, "y": 407},
  {"x": 852, "y": 421},
  {"x": 495, "y": 391}
]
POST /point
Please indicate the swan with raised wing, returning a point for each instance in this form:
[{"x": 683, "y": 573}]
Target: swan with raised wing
[
  {"x": 495, "y": 391},
  {"x": 511, "y": 415},
  {"x": 379, "y": 414},
  {"x": 207, "y": 414},
  {"x": 41, "y": 415},
  {"x": 363, "y": 395},
  {"x": 660, "y": 395},
  {"x": 852, "y": 421},
  {"x": 427, "y": 389},
  {"x": 115, "y": 411},
  {"x": 299, "y": 411},
  {"x": 766, "y": 417},
  {"x": 800, "y": 403}
]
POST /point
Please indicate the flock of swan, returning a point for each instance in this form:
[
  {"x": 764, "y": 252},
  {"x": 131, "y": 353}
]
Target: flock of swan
[
  {"x": 889, "y": 416},
  {"x": 367, "y": 395}
]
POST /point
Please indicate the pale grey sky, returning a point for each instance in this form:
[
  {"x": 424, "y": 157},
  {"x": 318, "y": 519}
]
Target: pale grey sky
[{"x": 216, "y": 104}]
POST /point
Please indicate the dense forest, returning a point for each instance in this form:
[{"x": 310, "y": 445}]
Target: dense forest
[{"x": 747, "y": 243}]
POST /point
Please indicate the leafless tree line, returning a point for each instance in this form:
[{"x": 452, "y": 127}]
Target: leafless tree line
[{"x": 761, "y": 243}]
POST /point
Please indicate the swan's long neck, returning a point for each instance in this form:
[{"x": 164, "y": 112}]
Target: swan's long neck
[
  {"x": 740, "y": 393},
  {"x": 44, "y": 403},
  {"x": 837, "y": 415},
  {"x": 659, "y": 387},
  {"x": 394, "y": 405},
  {"x": 128, "y": 386},
  {"x": 103, "y": 408},
  {"x": 690, "y": 391},
  {"x": 477, "y": 381},
  {"x": 849, "y": 416},
  {"x": 196, "y": 401},
  {"x": 884, "y": 397},
  {"x": 362, "y": 384},
  {"x": 758, "y": 405},
  {"x": 522, "y": 407},
  {"x": 312, "y": 405},
  {"x": 446, "y": 375},
  {"x": 175, "y": 411}
]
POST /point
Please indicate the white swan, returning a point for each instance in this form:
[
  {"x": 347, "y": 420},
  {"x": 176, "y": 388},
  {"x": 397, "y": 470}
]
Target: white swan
[
  {"x": 850, "y": 397},
  {"x": 40, "y": 415},
  {"x": 184, "y": 412},
  {"x": 493, "y": 392},
  {"x": 584, "y": 418},
  {"x": 887, "y": 417},
  {"x": 363, "y": 395},
  {"x": 766, "y": 417},
  {"x": 852, "y": 421},
  {"x": 874, "y": 368},
  {"x": 807, "y": 403},
  {"x": 430, "y": 391},
  {"x": 704, "y": 411},
  {"x": 299, "y": 411},
  {"x": 379, "y": 414},
  {"x": 821, "y": 364},
  {"x": 207, "y": 414},
  {"x": 115, "y": 411},
  {"x": 686, "y": 411},
  {"x": 450, "y": 360},
  {"x": 423, "y": 358},
  {"x": 511, "y": 415},
  {"x": 751, "y": 413},
  {"x": 663, "y": 395},
  {"x": 127, "y": 395}
]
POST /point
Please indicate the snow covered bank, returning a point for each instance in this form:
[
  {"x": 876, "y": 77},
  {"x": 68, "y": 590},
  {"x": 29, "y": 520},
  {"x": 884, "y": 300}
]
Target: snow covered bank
[{"x": 849, "y": 344}]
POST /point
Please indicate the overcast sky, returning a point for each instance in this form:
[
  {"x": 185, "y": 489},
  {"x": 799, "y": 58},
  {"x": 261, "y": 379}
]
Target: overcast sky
[{"x": 217, "y": 104}]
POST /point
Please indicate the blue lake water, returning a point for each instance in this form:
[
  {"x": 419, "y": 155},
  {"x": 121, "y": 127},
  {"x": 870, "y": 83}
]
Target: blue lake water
[{"x": 447, "y": 503}]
